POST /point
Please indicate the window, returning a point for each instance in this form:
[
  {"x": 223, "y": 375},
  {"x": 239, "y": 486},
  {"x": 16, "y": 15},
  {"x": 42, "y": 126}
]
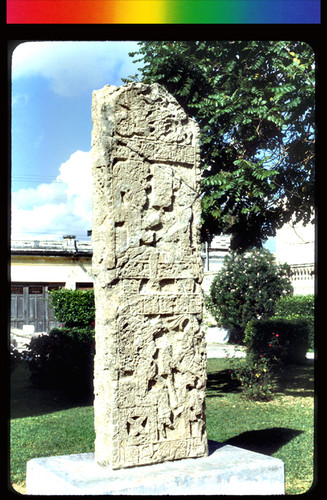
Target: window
[
  {"x": 55, "y": 287},
  {"x": 84, "y": 286}
]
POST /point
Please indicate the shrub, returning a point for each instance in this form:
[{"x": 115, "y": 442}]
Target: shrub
[
  {"x": 298, "y": 307},
  {"x": 278, "y": 340},
  {"x": 256, "y": 376},
  {"x": 15, "y": 358},
  {"x": 247, "y": 287},
  {"x": 74, "y": 308},
  {"x": 63, "y": 360},
  {"x": 270, "y": 344}
]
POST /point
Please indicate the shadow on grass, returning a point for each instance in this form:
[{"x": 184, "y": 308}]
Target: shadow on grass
[
  {"x": 297, "y": 380},
  {"x": 220, "y": 383},
  {"x": 29, "y": 401},
  {"x": 266, "y": 441},
  {"x": 293, "y": 380}
]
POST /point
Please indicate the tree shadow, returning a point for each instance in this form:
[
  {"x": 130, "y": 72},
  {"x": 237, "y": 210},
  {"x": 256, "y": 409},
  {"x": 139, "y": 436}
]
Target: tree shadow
[
  {"x": 27, "y": 400},
  {"x": 266, "y": 441},
  {"x": 220, "y": 383},
  {"x": 291, "y": 380},
  {"x": 297, "y": 380},
  {"x": 50, "y": 402}
]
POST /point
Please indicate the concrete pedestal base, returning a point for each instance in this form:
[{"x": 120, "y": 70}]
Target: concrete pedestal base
[{"x": 227, "y": 470}]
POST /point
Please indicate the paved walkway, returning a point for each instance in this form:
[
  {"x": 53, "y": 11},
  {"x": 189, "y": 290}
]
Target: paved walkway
[{"x": 215, "y": 350}]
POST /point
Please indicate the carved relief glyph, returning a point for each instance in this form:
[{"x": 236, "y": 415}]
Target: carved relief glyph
[{"x": 150, "y": 364}]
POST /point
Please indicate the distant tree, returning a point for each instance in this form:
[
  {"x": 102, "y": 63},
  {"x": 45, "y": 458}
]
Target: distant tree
[
  {"x": 254, "y": 102},
  {"x": 247, "y": 287}
]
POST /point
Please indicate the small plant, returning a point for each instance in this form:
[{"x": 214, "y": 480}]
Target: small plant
[
  {"x": 270, "y": 344},
  {"x": 256, "y": 376}
]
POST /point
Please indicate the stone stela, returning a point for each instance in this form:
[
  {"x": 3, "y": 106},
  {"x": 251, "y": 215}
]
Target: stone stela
[{"x": 150, "y": 363}]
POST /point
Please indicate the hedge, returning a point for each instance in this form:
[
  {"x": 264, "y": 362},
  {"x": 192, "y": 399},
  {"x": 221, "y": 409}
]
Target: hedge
[
  {"x": 63, "y": 360},
  {"x": 278, "y": 339},
  {"x": 73, "y": 307},
  {"x": 298, "y": 307}
]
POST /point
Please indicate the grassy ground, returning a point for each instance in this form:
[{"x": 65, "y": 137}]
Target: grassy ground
[
  {"x": 282, "y": 428},
  {"x": 45, "y": 423}
]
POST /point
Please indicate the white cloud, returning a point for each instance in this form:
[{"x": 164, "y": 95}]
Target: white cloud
[
  {"x": 74, "y": 67},
  {"x": 76, "y": 174},
  {"x": 62, "y": 207},
  {"x": 30, "y": 197}
]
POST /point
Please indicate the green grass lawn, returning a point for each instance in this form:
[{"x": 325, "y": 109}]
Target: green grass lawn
[
  {"x": 46, "y": 423},
  {"x": 282, "y": 428}
]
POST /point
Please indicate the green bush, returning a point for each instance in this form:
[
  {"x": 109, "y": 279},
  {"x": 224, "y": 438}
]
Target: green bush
[
  {"x": 298, "y": 307},
  {"x": 74, "y": 308},
  {"x": 247, "y": 287},
  {"x": 278, "y": 340},
  {"x": 15, "y": 358},
  {"x": 63, "y": 360},
  {"x": 270, "y": 344}
]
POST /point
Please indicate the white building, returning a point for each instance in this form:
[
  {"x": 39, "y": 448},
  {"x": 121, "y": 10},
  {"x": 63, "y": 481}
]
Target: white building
[
  {"x": 40, "y": 266},
  {"x": 295, "y": 244},
  {"x": 213, "y": 258}
]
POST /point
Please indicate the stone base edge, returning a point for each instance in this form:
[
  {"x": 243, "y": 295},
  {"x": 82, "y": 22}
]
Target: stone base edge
[{"x": 227, "y": 470}]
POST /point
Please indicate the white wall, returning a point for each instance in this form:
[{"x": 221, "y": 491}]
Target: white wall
[
  {"x": 295, "y": 244},
  {"x": 51, "y": 270}
]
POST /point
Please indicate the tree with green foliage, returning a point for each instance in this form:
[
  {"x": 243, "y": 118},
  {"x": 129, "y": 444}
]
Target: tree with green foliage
[
  {"x": 247, "y": 287},
  {"x": 254, "y": 102}
]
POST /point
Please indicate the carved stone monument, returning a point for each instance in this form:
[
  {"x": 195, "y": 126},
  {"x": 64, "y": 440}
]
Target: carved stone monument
[{"x": 150, "y": 363}]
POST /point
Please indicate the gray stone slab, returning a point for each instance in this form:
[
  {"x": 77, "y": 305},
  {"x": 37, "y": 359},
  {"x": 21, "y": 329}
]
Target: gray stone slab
[{"x": 227, "y": 470}]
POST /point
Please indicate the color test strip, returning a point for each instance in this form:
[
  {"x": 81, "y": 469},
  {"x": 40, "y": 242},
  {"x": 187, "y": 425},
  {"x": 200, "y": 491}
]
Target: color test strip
[{"x": 163, "y": 11}]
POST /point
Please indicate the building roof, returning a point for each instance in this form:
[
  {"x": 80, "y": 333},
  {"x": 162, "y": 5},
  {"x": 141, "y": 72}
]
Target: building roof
[
  {"x": 68, "y": 246},
  {"x": 72, "y": 247}
]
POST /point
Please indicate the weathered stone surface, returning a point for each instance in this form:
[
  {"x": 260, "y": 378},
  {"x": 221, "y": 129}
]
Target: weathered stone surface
[
  {"x": 227, "y": 470},
  {"x": 150, "y": 364}
]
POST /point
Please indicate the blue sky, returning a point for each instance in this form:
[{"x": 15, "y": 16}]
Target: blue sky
[{"x": 52, "y": 84}]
